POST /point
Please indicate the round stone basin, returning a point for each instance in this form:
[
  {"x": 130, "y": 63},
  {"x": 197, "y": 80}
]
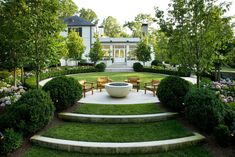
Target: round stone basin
[{"x": 118, "y": 89}]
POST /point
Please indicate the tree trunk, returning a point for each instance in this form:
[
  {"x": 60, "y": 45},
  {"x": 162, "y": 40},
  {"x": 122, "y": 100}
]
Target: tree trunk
[
  {"x": 219, "y": 74},
  {"x": 15, "y": 76},
  {"x": 38, "y": 76},
  {"x": 22, "y": 74}
]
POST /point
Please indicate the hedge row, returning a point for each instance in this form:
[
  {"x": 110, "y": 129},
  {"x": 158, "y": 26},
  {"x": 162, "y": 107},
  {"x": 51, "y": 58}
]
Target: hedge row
[
  {"x": 168, "y": 72},
  {"x": 31, "y": 82}
]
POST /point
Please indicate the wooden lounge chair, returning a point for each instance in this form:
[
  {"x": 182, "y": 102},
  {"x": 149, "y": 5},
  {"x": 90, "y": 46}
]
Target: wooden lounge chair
[
  {"x": 151, "y": 86},
  {"x": 101, "y": 81},
  {"x": 86, "y": 87},
  {"x": 135, "y": 81}
]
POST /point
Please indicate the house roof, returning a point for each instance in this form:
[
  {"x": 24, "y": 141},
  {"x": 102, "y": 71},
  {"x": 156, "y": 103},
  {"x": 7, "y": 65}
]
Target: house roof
[
  {"x": 77, "y": 21},
  {"x": 119, "y": 40}
]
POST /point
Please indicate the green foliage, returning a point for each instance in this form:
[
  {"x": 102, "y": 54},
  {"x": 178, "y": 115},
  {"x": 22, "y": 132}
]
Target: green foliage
[
  {"x": 89, "y": 15},
  {"x": 165, "y": 71},
  {"x": 204, "y": 109},
  {"x": 155, "y": 63},
  {"x": 229, "y": 117},
  {"x": 135, "y": 25},
  {"x": 96, "y": 52},
  {"x": 64, "y": 91},
  {"x": 143, "y": 51},
  {"x": 138, "y": 67},
  {"x": 196, "y": 30},
  {"x": 53, "y": 72},
  {"x": 67, "y": 8},
  {"x": 11, "y": 141},
  {"x": 171, "y": 92},
  {"x": 222, "y": 134},
  {"x": 4, "y": 74},
  {"x": 30, "y": 113},
  {"x": 111, "y": 27},
  {"x": 100, "y": 67},
  {"x": 75, "y": 46}
]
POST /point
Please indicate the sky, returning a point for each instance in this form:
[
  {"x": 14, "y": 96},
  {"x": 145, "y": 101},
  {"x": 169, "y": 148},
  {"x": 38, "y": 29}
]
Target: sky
[{"x": 126, "y": 10}]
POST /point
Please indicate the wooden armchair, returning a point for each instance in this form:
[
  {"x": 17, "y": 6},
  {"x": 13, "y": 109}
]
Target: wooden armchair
[
  {"x": 86, "y": 87},
  {"x": 135, "y": 81},
  {"x": 101, "y": 81},
  {"x": 151, "y": 86}
]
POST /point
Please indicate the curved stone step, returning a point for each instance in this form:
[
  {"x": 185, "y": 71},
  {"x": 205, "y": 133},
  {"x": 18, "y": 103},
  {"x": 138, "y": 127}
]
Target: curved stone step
[
  {"x": 116, "y": 118},
  {"x": 117, "y": 148}
]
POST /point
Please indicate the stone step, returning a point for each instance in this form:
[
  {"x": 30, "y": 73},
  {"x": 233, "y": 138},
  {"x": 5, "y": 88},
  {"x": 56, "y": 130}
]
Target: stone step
[
  {"x": 113, "y": 119},
  {"x": 117, "y": 148},
  {"x": 119, "y": 70}
]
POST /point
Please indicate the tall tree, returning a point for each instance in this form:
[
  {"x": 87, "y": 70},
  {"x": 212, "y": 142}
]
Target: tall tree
[
  {"x": 111, "y": 27},
  {"x": 194, "y": 31},
  {"x": 67, "y": 8},
  {"x": 135, "y": 25},
  {"x": 96, "y": 52},
  {"x": 143, "y": 51},
  {"x": 12, "y": 34},
  {"x": 75, "y": 45},
  {"x": 89, "y": 15},
  {"x": 44, "y": 27}
]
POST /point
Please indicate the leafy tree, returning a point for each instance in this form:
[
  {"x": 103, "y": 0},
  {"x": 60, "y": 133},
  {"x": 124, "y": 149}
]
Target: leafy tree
[
  {"x": 44, "y": 27},
  {"x": 12, "y": 31},
  {"x": 89, "y": 15},
  {"x": 143, "y": 51},
  {"x": 75, "y": 46},
  {"x": 67, "y": 8},
  {"x": 111, "y": 27},
  {"x": 135, "y": 26},
  {"x": 96, "y": 52},
  {"x": 194, "y": 31}
]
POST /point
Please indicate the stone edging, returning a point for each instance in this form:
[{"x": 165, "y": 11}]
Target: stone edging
[
  {"x": 87, "y": 118},
  {"x": 117, "y": 148}
]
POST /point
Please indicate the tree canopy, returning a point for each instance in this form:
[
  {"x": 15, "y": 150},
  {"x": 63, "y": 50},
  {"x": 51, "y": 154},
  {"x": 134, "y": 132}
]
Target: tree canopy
[
  {"x": 111, "y": 27},
  {"x": 195, "y": 31},
  {"x": 89, "y": 15},
  {"x": 96, "y": 52},
  {"x": 67, "y": 8}
]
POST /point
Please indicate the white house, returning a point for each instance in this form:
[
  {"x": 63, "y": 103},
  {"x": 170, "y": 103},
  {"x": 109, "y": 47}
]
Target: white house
[{"x": 117, "y": 50}]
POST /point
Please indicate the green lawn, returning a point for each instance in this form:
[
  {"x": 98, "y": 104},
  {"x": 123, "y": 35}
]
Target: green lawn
[
  {"x": 109, "y": 109},
  {"x": 187, "y": 152},
  {"x": 118, "y": 132},
  {"x": 119, "y": 76}
]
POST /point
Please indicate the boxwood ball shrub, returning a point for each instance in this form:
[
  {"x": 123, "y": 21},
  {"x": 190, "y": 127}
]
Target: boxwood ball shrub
[
  {"x": 222, "y": 135},
  {"x": 171, "y": 92},
  {"x": 138, "y": 67},
  {"x": 10, "y": 142},
  {"x": 204, "y": 108},
  {"x": 30, "y": 113},
  {"x": 64, "y": 91},
  {"x": 155, "y": 63},
  {"x": 100, "y": 67}
]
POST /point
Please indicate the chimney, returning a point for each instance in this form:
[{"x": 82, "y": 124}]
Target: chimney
[
  {"x": 144, "y": 29},
  {"x": 101, "y": 31}
]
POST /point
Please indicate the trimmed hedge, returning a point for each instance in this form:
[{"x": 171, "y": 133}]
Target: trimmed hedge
[
  {"x": 204, "y": 109},
  {"x": 31, "y": 82},
  {"x": 171, "y": 92},
  {"x": 30, "y": 113},
  {"x": 100, "y": 67},
  {"x": 168, "y": 72},
  {"x": 64, "y": 91},
  {"x": 138, "y": 67},
  {"x": 222, "y": 135},
  {"x": 10, "y": 142}
]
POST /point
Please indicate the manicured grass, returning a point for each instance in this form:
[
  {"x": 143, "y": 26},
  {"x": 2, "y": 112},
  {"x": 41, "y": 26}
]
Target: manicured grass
[
  {"x": 119, "y": 76},
  {"x": 187, "y": 152},
  {"x": 118, "y": 132},
  {"x": 109, "y": 109}
]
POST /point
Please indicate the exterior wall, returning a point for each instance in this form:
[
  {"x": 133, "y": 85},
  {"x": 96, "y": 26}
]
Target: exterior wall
[{"x": 87, "y": 34}]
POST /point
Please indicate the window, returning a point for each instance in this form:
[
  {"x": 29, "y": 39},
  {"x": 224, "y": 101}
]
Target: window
[{"x": 80, "y": 31}]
